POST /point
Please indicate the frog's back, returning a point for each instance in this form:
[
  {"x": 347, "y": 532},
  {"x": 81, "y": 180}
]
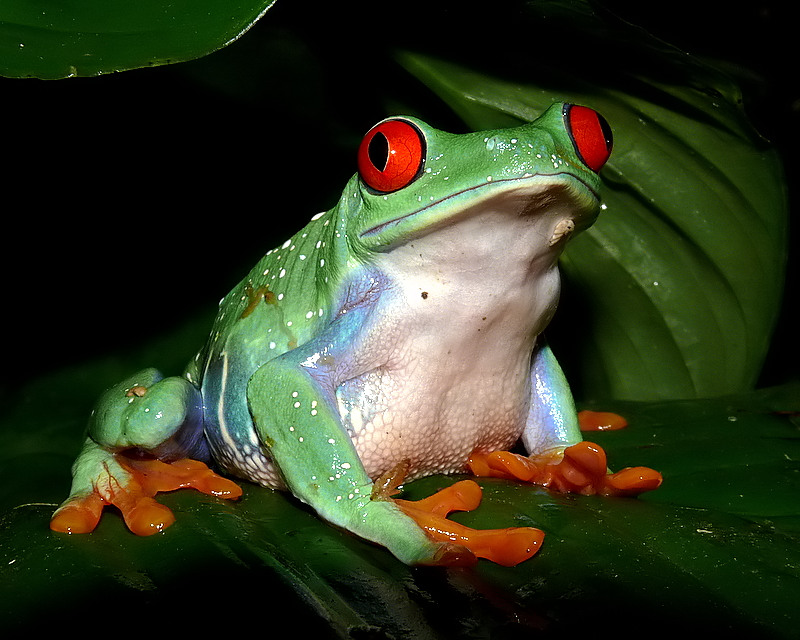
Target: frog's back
[{"x": 282, "y": 303}]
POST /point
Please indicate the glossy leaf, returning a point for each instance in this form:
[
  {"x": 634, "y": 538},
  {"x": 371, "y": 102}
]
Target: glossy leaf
[
  {"x": 714, "y": 549},
  {"x": 90, "y": 37},
  {"x": 679, "y": 283}
]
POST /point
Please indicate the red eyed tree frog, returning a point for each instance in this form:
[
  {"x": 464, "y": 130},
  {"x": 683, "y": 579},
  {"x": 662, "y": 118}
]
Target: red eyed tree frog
[{"x": 397, "y": 335}]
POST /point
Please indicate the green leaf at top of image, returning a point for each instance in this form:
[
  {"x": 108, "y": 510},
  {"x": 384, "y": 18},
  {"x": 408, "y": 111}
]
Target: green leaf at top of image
[
  {"x": 679, "y": 282},
  {"x": 90, "y": 37}
]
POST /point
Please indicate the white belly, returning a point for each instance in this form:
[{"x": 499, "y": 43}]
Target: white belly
[{"x": 448, "y": 370}]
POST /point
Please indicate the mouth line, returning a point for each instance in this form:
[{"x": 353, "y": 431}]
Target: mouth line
[{"x": 395, "y": 221}]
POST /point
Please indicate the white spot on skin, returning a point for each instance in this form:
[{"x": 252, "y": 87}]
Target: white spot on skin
[{"x": 356, "y": 419}]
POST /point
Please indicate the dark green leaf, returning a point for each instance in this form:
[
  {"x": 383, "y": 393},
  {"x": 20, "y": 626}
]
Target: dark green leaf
[
  {"x": 714, "y": 549},
  {"x": 680, "y": 280},
  {"x": 89, "y": 37}
]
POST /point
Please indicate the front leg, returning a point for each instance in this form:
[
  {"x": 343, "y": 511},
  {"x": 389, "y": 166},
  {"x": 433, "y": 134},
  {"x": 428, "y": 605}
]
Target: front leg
[
  {"x": 292, "y": 401},
  {"x": 294, "y": 410},
  {"x": 139, "y": 434},
  {"x": 552, "y": 423},
  {"x": 559, "y": 458}
]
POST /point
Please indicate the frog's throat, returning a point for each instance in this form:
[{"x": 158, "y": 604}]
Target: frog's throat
[{"x": 563, "y": 178}]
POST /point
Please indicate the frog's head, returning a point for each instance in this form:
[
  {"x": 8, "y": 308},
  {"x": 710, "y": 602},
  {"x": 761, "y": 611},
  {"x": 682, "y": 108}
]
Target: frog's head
[{"x": 414, "y": 179}]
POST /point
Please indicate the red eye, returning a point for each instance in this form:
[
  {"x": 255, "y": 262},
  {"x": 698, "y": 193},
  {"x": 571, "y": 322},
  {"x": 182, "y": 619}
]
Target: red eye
[
  {"x": 391, "y": 155},
  {"x": 590, "y": 134}
]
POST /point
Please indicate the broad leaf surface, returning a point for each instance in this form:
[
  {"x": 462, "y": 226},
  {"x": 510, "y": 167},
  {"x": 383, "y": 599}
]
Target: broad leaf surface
[{"x": 716, "y": 548}]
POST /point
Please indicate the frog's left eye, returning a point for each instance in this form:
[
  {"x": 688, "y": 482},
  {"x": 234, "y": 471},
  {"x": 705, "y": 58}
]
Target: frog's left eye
[
  {"x": 590, "y": 133},
  {"x": 391, "y": 155}
]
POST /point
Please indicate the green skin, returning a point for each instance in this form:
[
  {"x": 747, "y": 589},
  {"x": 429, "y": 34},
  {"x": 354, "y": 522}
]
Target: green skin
[{"x": 399, "y": 327}]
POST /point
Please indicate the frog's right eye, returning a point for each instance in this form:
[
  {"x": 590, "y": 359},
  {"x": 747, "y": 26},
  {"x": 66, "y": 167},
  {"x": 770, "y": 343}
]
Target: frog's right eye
[
  {"x": 391, "y": 156},
  {"x": 591, "y": 135}
]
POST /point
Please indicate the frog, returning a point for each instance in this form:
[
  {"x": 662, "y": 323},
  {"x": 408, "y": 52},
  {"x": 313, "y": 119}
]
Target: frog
[{"x": 399, "y": 334}]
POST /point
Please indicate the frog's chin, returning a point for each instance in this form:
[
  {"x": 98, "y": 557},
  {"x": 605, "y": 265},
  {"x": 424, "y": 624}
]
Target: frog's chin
[{"x": 529, "y": 195}]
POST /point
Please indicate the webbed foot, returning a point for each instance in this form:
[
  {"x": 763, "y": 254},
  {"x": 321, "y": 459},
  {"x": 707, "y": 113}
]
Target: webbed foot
[
  {"x": 129, "y": 484},
  {"x": 581, "y": 469},
  {"x": 507, "y": 547}
]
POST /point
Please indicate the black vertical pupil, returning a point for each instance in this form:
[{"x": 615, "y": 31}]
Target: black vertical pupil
[
  {"x": 378, "y": 151},
  {"x": 606, "y": 129}
]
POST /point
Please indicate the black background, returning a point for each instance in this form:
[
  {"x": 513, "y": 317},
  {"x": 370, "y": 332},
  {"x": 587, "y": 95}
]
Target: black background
[{"x": 137, "y": 199}]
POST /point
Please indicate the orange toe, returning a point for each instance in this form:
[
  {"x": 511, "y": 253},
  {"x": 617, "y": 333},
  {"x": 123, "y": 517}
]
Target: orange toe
[
  {"x": 145, "y": 516},
  {"x": 507, "y": 547},
  {"x": 156, "y": 476},
  {"x": 600, "y": 421},
  {"x": 134, "y": 496},
  {"x": 581, "y": 469},
  {"x": 79, "y": 515},
  {"x": 633, "y": 481},
  {"x": 462, "y": 496},
  {"x": 148, "y": 517},
  {"x": 588, "y": 457}
]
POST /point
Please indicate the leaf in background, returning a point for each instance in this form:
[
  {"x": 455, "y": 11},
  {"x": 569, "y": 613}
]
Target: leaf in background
[
  {"x": 676, "y": 288},
  {"x": 680, "y": 279},
  {"x": 90, "y": 37}
]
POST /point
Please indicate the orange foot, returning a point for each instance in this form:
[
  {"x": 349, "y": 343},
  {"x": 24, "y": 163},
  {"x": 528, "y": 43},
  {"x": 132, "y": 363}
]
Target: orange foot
[
  {"x": 142, "y": 514},
  {"x": 582, "y": 469},
  {"x": 507, "y": 547}
]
